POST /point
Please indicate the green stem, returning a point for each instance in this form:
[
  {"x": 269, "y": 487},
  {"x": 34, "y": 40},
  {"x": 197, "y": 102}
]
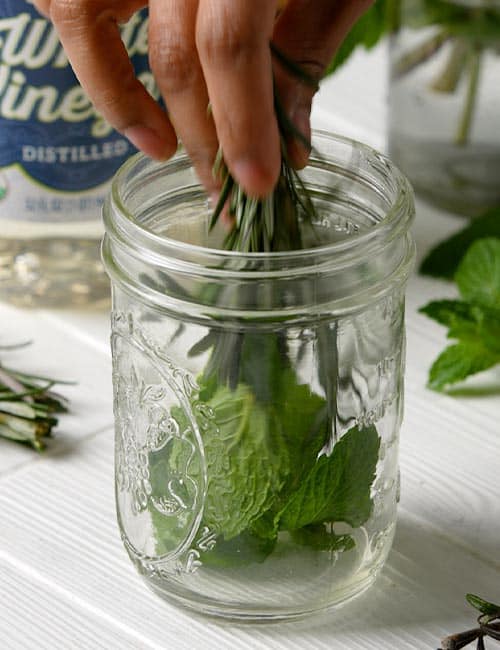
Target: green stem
[
  {"x": 393, "y": 15},
  {"x": 419, "y": 55},
  {"x": 464, "y": 126},
  {"x": 449, "y": 77}
]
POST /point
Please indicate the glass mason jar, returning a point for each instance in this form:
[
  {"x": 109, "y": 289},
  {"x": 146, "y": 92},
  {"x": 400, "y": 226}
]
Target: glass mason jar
[
  {"x": 444, "y": 116},
  {"x": 258, "y": 397}
]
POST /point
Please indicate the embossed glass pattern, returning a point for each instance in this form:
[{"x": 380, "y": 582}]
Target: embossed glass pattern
[{"x": 268, "y": 491}]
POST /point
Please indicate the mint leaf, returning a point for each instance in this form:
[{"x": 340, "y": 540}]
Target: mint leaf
[
  {"x": 367, "y": 32},
  {"x": 255, "y": 451},
  {"x": 454, "y": 19},
  {"x": 467, "y": 322},
  {"x": 320, "y": 538},
  {"x": 298, "y": 426},
  {"x": 247, "y": 548},
  {"x": 338, "y": 486},
  {"x": 173, "y": 490},
  {"x": 444, "y": 259},
  {"x": 302, "y": 417},
  {"x": 474, "y": 321},
  {"x": 478, "y": 276},
  {"x": 261, "y": 366},
  {"x": 259, "y": 452},
  {"x": 457, "y": 19},
  {"x": 483, "y": 605},
  {"x": 247, "y": 461},
  {"x": 262, "y": 465},
  {"x": 452, "y": 313},
  {"x": 459, "y": 361},
  {"x": 245, "y": 465}
]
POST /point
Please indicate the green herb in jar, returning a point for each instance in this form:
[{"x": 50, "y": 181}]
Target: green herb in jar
[{"x": 274, "y": 463}]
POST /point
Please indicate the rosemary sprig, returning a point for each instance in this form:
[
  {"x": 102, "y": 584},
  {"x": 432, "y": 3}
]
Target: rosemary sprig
[
  {"x": 414, "y": 58},
  {"x": 488, "y": 626},
  {"x": 271, "y": 223},
  {"x": 27, "y": 405}
]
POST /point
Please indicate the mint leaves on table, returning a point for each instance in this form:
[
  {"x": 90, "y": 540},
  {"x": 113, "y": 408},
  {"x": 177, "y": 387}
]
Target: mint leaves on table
[
  {"x": 27, "y": 406},
  {"x": 474, "y": 321},
  {"x": 488, "y": 626},
  {"x": 478, "y": 275},
  {"x": 443, "y": 260}
]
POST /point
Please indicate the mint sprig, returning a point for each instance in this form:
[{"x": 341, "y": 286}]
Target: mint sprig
[
  {"x": 443, "y": 260},
  {"x": 338, "y": 486},
  {"x": 473, "y": 321},
  {"x": 267, "y": 474}
]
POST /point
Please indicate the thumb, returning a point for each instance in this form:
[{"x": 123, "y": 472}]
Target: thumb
[{"x": 308, "y": 33}]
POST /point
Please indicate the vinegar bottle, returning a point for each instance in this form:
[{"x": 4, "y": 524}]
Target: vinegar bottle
[{"x": 57, "y": 156}]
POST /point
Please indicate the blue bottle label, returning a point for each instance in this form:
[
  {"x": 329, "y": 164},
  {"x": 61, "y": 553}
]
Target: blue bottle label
[{"x": 57, "y": 154}]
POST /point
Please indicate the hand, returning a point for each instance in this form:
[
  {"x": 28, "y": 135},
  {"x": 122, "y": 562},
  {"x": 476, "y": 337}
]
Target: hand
[{"x": 201, "y": 52}]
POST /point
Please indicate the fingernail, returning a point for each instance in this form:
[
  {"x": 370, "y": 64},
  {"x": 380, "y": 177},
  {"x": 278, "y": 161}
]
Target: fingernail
[
  {"x": 256, "y": 180},
  {"x": 148, "y": 141}
]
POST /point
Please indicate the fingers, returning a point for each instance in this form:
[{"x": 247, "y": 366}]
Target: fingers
[
  {"x": 205, "y": 51},
  {"x": 232, "y": 38},
  {"x": 90, "y": 35},
  {"x": 309, "y": 32},
  {"x": 178, "y": 73}
]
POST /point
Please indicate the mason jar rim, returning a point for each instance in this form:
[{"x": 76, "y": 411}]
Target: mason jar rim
[{"x": 131, "y": 234}]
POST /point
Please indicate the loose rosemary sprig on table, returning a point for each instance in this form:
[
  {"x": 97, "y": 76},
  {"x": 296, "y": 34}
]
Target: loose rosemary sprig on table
[
  {"x": 488, "y": 626},
  {"x": 27, "y": 405}
]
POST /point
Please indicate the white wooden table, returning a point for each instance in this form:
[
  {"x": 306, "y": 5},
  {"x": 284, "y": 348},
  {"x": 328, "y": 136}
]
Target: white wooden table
[{"x": 65, "y": 580}]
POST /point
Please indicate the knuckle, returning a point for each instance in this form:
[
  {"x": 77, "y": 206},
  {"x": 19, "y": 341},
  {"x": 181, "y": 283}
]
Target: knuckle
[
  {"x": 84, "y": 13},
  {"x": 173, "y": 62},
  {"x": 118, "y": 104},
  {"x": 69, "y": 12},
  {"x": 223, "y": 43}
]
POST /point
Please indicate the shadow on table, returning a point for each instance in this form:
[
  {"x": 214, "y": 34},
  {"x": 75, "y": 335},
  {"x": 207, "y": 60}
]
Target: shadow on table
[{"x": 422, "y": 586}]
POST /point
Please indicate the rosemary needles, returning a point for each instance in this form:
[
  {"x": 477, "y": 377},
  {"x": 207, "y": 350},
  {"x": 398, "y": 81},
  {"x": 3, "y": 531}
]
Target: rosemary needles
[
  {"x": 488, "y": 626},
  {"x": 28, "y": 405},
  {"x": 272, "y": 223}
]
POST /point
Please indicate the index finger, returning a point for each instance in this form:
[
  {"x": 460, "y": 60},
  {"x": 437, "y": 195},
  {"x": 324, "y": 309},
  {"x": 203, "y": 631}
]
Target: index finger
[{"x": 90, "y": 35}]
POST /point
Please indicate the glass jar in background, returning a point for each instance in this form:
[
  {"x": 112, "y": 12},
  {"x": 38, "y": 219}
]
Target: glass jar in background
[
  {"x": 258, "y": 397},
  {"x": 57, "y": 156},
  {"x": 444, "y": 117}
]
